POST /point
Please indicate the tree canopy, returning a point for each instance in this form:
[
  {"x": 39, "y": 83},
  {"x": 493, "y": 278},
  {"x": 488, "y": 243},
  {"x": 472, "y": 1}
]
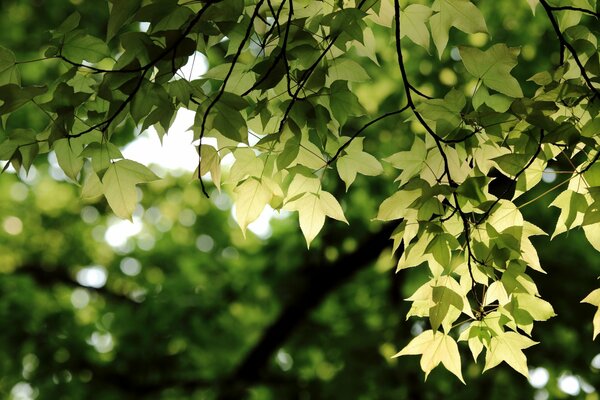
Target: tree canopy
[{"x": 301, "y": 99}]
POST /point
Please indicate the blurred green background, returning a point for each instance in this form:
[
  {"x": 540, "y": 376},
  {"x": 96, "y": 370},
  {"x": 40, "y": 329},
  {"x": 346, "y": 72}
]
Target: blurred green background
[{"x": 178, "y": 305}]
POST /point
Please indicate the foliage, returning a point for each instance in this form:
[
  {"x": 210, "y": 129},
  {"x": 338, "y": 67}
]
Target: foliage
[{"x": 281, "y": 97}]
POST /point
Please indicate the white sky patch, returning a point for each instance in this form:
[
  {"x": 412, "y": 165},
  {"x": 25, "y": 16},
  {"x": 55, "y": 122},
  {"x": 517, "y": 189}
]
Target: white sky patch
[
  {"x": 569, "y": 384},
  {"x": 549, "y": 176},
  {"x": 119, "y": 231},
  {"x": 262, "y": 226},
  {"x": 538, "y": 377},
  {"x": 177, "y": 153},
  {"x": 22, "y": 391},
  {"x": 196, "y": 66},
  {"x": 93, "y": 276},
  {"x": 102, "y": 342}
]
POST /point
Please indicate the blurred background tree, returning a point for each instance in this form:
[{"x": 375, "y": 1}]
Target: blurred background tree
[{"x": 177, "y": 305}]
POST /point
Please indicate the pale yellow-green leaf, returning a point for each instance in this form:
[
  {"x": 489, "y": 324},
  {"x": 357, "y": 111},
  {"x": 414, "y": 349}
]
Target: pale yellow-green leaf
[
  {"x": 533, "y": 4},
  {"x": 444, "y": 295},
  {"x": 421, "y": 300},
  {"x": 311, "y": 216},
  {"x": 210, "y": 162},
  {"x": 508, "y": 347},
  {"x": 594, "y": 299},
  {"x": 369, "y": 48},
  {"x": 530, "y": 255},
  {"x": 410, "y": 162},
  {"x": 251, "y": 197},
  {"x": 331, "y": 207},
  {"x": 539, "y": 309},
  {"x": 246, "y": 164},
  {"x": 592, "y": 233},
  {"x": 119, "y": 183},
  {"x": 435, "y": 348},
  {"x": 394, "y": 207},
  {"x": 92, "y": 187},
  {"x": 473, "y": 336},
  {"x": 505, "y": 216},
  {"x": 309, "y": 155},
  {"x": 572, "y": 207},
  {"x": 351, "y": 164},
  {"x": 495, "y": 292},
  {"x": 300, "y": 185},
  {"x": 412, "y": 21},
  {"x": 414, "y": 254}
]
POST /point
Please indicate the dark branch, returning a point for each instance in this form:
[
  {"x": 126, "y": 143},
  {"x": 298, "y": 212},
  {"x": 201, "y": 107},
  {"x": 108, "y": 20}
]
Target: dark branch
[
  {"x": 321, "y": 280},
  {"x": 564, "y": 43},
  {"x": 48, "y": 277},
  {"x": 571, "y": 8},
  {"x": 218, "y": 96}
]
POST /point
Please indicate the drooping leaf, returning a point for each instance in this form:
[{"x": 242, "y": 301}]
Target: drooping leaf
[
  {"x": 251, "y": 198},
  {"x": 119, "y": 184},
  {"x": 435, "y": 348},
  {"x": 594, "y": 299}
]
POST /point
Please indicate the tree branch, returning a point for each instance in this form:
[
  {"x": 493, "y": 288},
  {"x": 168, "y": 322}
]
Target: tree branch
[
  {"x": 47, "y": 277},
  {"x": 564, "y": 43},
  {"x": 321, "y": 280}
]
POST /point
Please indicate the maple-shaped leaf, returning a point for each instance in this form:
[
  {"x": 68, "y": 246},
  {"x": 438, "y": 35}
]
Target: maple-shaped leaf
[
  {"x": 119, "y": 183},
  {"x": 251, "y": 197},
  {"x": 493, "y": 67},
  {"x": 508, "y": 347},
  {"x": 412, "y": 20},
  {"x": 312, "y": 209},
  {"x": 410, "y": 162},
  {"x": 594, "y": 299},
  {"x": 357, "y": 161},
  {"x": 435, "y": 348},
  {"x": 461, "y": 14}
]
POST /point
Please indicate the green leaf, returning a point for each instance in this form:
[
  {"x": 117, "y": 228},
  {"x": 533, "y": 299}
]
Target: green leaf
[
  {"x": 68, "y": 158},
  {"x": 357, "y": 161},
  {"x": 410, "y": 162},
  {"x": 120, "y": 14},
  {"x": 347, "y": 70},
  {"x": 493, "y": 67},
  {"x": 461, "y": 14},
  {"x": 101, "y": 154},
  {"x": 435, "y": 348},
  {"x": 343, "y": 102},
  {"x": 508, "y": 347},
  {"x": 14, "y": 96},
  {"x": 9, "y": 72},
  {"x": 443, "y": 297},
  {"x": 210, "y": 162},
  {"x": 230, "y": 123},
  {"x": 79, "y": 47},
  {"x": 412, "y": 21},
  {"x": 395, "y": 206},
  {"x": 92, "y": 187},
  {"x": 119, "y": 183}
]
